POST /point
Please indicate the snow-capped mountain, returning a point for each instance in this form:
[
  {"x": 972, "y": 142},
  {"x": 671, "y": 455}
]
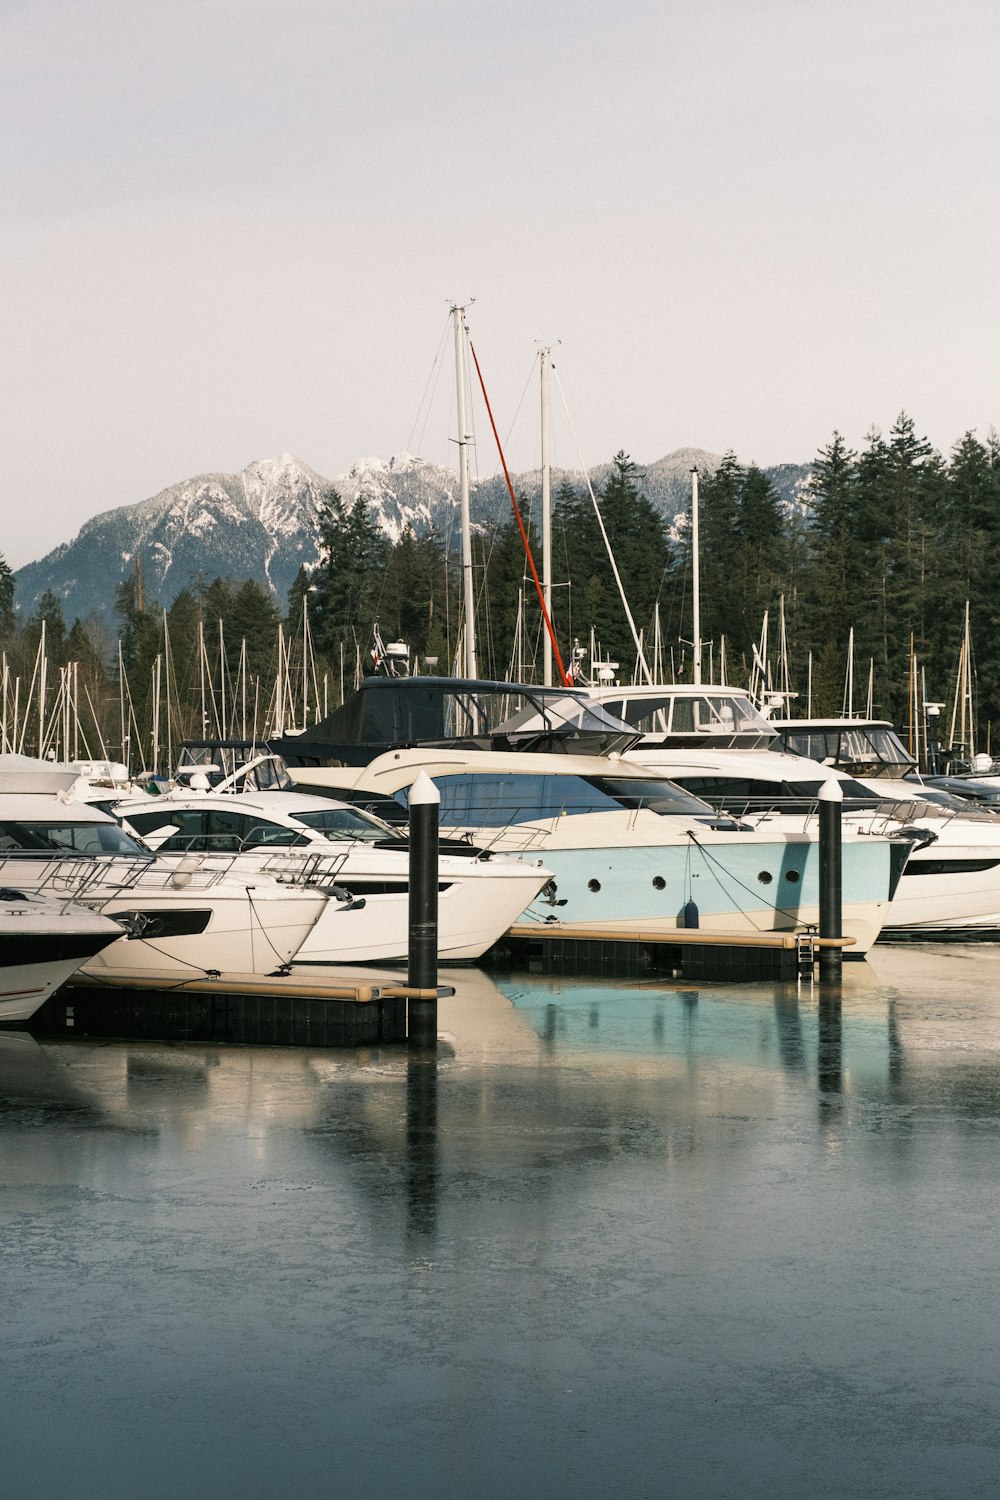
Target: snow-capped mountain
[{"x": 262, "y": 523}]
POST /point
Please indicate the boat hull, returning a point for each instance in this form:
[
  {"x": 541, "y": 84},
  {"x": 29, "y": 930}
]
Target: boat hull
[
  {"x": 254, "y": 931},
  {"x": 40, "y": 949},
  {"x": 753, "y": 886},
  {"x": 477, "y": 902},
  {"x": 949, "y": 889},
  {"x": 185, "y": 919},
  {"x": 478, "y": 899}
]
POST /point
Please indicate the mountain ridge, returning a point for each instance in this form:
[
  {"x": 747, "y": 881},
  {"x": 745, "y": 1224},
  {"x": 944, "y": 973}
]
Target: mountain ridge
[{"x": 262, "y": 522}]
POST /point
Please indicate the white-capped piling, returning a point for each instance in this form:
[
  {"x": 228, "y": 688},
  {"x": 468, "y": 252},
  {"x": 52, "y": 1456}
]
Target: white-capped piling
[
  {"x": 831, "y": 801},
  {"x": 425, "y": 801}
]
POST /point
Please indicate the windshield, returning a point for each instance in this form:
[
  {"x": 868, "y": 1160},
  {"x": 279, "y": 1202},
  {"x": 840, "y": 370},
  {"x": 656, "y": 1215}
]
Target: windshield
[
  {"x": 865, "y": 749},
  {"x": 558, "y": 711},
  {"x": 75, "y": 838},
  {"x": 346, "y": 823},
  {"x": 752, "y": 793},
  {"x": 259, "y": 769},
  {"x": 672, "y": 713},
  {"x": 495, "y": 799}
]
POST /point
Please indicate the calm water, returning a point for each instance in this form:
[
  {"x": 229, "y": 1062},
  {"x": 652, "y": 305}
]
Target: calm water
[{"x": 663, "y": 1241}]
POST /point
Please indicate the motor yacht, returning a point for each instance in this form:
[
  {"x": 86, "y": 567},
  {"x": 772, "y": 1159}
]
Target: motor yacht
[
  {"x": 950, "y": 885},
  {"x": 182, "y": 919},
  {"x": 42, "y": 942},
  {"x": 361, "y": 860},
  {"x": 626, "y": 846}
]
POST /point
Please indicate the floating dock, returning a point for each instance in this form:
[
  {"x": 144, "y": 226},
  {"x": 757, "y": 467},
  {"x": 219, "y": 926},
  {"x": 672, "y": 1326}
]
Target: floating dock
[
  {"x": 684, "y": 953},
  {"x": 281, "y": 1011}
]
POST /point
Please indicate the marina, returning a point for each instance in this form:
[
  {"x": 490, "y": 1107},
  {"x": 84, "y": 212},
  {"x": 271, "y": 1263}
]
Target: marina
[
  {"x": 499, "y": 782},
  {"x": 662, "y": 1237}
]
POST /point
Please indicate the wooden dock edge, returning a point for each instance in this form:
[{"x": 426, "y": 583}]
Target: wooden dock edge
[{"x": 676, "y": 937}]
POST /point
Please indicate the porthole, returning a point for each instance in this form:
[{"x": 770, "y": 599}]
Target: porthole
[
  {"x": 792, "y": 876},
  {"x": 593, "y": 885},
  {"x": 659, "y": 883},
  {"x": 765, "y": 877}
]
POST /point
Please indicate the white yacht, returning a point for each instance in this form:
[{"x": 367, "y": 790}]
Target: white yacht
[
  {"x": 182, "y": 920},
  {"x": 288, "y": 835},
  {"x": 627, "y": 847},
  {"x": 950, "y": 885},
  {"x": 42, "y": 942}
]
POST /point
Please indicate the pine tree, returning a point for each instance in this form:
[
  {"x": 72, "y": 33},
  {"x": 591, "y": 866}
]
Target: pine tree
[
  {"x": 414, "y": 596},
  {"x": 641, "y": 551},
  {"x": 506, "y": 576},
  {"x": 140, "y": 641},
  {"x": 723, "y": 609},
  {"x": 836, "y": 565},
  {"x": 252, "y": 617},
  {"x": 969, "y": 548},
  {"x": 49, "y": 613},
  {"x": 349, "y": 576},
  {"x": 762, "y": 533},
  {"x": 7, "y": 618},
  {"x": 81, "y": 649}
]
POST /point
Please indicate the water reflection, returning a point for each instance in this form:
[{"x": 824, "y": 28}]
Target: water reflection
[
  {"x": 422, "y": 1165},
  {"x": 829, "y": 1051},
  {"x": 602, "y": 1233},
  {"x": 791, "y": 1043}
]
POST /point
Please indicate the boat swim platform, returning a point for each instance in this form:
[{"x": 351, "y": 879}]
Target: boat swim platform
[
  {"x": 276, "y": 1010},
  {"x": 604, "y": 949}
]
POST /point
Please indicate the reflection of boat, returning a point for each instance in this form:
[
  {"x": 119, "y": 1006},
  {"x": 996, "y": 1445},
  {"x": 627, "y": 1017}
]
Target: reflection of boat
[
  {"x": 754, "y": 1026},
  {"x": 42, "y": 942},
  {"x": 288, "y": 835}
]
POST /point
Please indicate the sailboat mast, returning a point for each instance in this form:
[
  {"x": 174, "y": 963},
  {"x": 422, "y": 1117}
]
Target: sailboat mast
[
  {"x": 785, "y": 678},
  {"x": 695, "y": 579},
  {"x": 305, "y": 661},
  {"x": 546, "y": 518},
  {"x": 809, "y": 687},
  {"x": 464, "y": 438},
  {"x": 967, "y": 702},
  {"x": 41, "y": 691}
]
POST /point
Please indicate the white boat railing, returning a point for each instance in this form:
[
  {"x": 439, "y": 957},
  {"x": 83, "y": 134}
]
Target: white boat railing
[{"x": 83, "y": 877}]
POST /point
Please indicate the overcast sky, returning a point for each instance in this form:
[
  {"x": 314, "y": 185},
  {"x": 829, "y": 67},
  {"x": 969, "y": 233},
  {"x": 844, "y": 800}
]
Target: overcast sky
[{"x": 233, "y": 228}]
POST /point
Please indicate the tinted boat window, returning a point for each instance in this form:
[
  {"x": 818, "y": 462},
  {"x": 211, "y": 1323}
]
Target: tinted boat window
[
  {"x": 494, "y": 800},
  {"x": 658, "y": 796},
  {"x": 76, "y": 838},
  {"x": 346, "y": 823}
]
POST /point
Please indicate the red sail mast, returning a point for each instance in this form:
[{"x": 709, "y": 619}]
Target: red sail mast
[{"x": 524, "y": 535}]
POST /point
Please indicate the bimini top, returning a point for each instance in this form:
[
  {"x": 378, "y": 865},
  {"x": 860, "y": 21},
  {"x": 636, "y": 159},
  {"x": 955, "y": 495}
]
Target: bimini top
[{"x": 473, "y": 713}]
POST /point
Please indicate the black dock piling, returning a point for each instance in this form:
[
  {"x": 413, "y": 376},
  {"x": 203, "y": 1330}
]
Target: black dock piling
[
  {"x": 421, "y": 975},
  {"x": 831, "y": 800}
]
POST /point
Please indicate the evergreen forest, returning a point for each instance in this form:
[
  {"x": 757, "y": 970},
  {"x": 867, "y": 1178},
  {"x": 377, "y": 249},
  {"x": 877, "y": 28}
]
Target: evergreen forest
[{"x": 889, "y": 543}]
